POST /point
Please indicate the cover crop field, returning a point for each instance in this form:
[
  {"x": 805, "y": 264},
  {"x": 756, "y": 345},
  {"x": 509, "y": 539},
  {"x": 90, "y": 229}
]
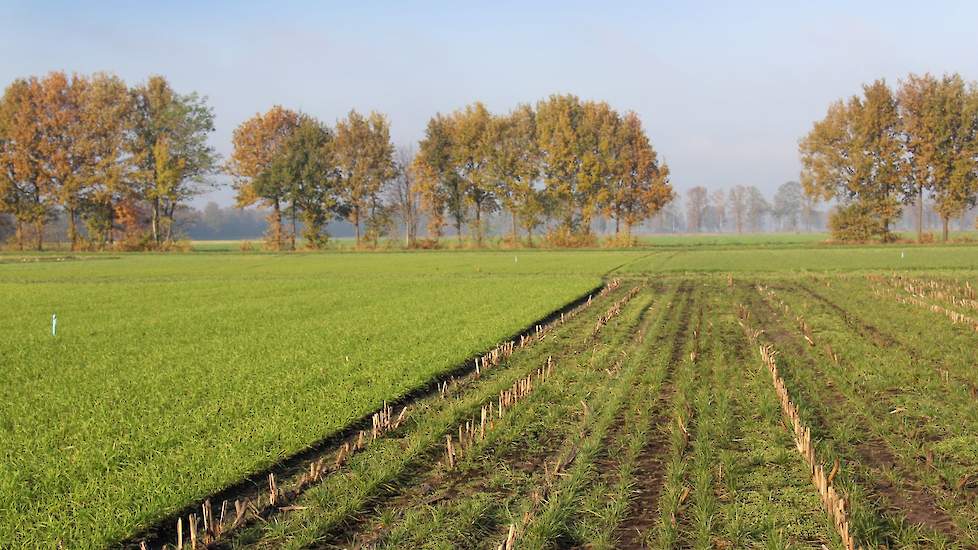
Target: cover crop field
[{"x": 722, "y": 395}]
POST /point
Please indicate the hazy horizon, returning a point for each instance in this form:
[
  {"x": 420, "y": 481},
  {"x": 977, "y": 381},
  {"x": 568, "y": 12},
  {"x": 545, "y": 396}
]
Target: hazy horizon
[{"x": 721, "y": 104}]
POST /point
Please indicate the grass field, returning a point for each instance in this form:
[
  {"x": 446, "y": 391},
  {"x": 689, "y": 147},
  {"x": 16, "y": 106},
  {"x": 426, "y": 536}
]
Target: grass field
[{"x": 647, "y": 418}]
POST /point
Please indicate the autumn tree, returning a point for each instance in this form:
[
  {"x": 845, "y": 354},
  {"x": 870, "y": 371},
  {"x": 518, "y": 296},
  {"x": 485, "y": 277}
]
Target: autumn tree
[
  {"x": 855, "y": 154},
  {"x": 940, "y": 131},
  {"x": 560, "y": 129},
  {"x": 303, "y": 173},
  {"x": 514, "y": 166},
  {"x": 365, "y": 158},
  {"x": 471, "y": 148},
  {"x": 638, "y": 185},
  {"x": 80, "y": 126},
  {"x": 601, "y": 140},
  {"x": 441, "y": 188},
  {"x": 23, "y": 187},
  {"x": 106, "y": 171},
  {"x": 257, "y": 141},
  {"x": 62, "y": 143},
  {"x": 171, "y": 155}
]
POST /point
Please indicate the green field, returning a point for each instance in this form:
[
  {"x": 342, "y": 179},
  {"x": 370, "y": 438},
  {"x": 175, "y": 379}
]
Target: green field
[{"x": 173, "y": 376}]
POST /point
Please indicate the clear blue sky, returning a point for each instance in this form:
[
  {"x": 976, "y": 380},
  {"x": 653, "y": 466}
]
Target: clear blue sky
[{"x": 725, "y": 89}]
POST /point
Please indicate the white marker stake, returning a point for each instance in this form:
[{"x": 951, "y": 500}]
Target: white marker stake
[
  {"x": 54, "y": 324},
  {"x": 901, "y": 254}
]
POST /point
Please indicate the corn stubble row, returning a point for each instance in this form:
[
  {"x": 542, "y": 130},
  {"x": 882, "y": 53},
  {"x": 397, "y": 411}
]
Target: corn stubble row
[
  {"x": 918, "y": 291},
  {"x": 833, "y": 502}
]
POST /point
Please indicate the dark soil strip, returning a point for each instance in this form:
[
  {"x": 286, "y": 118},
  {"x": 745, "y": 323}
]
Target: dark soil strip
[
  {"x": 875, "y": 453},
  {"x": 164, "y": 531},
  {"x": 650, "y": 468}
]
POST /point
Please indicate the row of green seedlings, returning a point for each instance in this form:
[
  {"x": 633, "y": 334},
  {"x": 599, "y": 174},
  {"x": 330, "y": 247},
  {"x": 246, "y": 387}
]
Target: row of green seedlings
[
  {"x": 954, "y": 316},
  {"x": 834, "y": 503},
  {"x": 472, "y": 431},
  {"x": 803, "y": 326},
  {"x": 615, "y": 309},
  {"x": 203, "y": 530}
]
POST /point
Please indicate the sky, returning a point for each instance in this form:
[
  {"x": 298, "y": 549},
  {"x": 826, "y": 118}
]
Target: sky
[{"x": 724, "y": 89}]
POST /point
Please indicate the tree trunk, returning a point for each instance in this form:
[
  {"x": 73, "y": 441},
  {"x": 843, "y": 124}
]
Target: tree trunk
[
  {"x": 458, "y": 229},
  {"x": 617, "y": 222},
  {"x": 516, "y": 231},
  {"x": 947, "y": 222},
  {"x": 19, "y": 235},
  {"x": 920, "y": 215},
  {"x": 39, "y": 234},
  {"x": 407, "y": 225},
  {"x": 168, "y": 217},
  {"x": 478, "y": 225},
  {"x": 111, "y": 225},
  {"x": 72, "y": 228},
  {"x": 156, "y": 221},
  {"x": 356, "y": 224},
  {"x": 277, "y": 221},
  {"x": 293, "y": 227}
]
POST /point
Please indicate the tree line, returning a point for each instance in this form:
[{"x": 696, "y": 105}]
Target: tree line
[
  {"x": 113, "y": 162},
  {"x": 116, "y": 163},
  {"x": 879, "y": 151}
]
